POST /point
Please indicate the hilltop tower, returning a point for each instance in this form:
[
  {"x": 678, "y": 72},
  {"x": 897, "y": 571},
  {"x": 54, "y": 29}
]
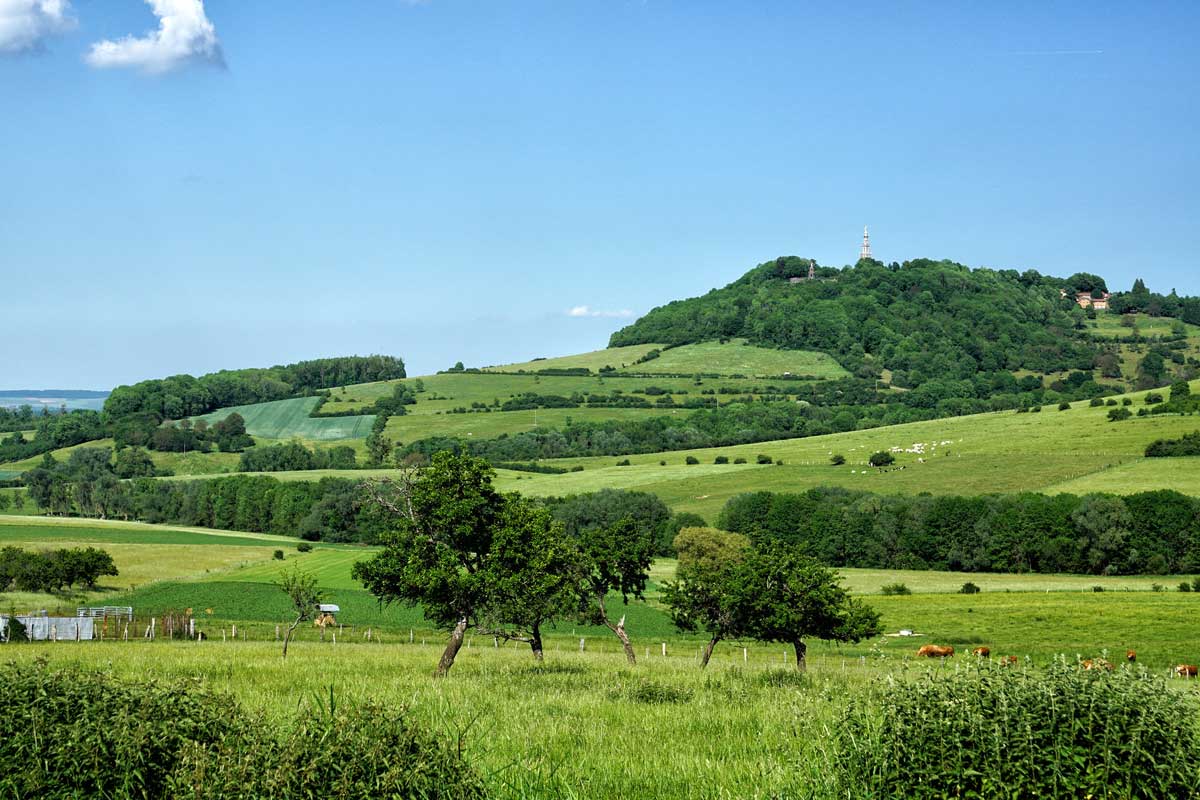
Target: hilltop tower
[
  {"x": 812, "y": 269},
  {"x": 865, "y": 250}
]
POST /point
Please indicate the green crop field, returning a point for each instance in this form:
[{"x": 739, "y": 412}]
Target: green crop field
[
  {"x": 289, "y": 419},
  {"x": 734, "y": 357}
]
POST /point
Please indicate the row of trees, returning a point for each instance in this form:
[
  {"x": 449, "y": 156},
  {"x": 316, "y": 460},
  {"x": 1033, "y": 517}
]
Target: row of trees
[
  {"x": 228, "y": 434},
  {"x": 53, "y": 570},
  {"x": 295, "y": 456},
  {"x": 52, "y": 432},
  {"x": 502, "y": 564},
  {"x": 733, "y": 587},
  {"x": 1148, "y": 532}
]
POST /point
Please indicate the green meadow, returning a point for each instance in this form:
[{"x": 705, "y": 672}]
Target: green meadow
[{"x": 286, "y": 419}]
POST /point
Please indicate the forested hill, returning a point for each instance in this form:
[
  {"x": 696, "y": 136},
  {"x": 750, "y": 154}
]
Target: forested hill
[{"x": 922, "y": 319}]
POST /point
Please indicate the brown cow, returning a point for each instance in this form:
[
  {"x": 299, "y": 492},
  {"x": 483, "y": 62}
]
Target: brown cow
[
  {"x": 1008, "y": 661},
  {"x": 1185, "y": 671},
  {"x": 1098, "y": 663},
  {"x": 1131, "y": 656},
  {"x": 981, "y": 652},
  {"x": 935, "y": 651}
]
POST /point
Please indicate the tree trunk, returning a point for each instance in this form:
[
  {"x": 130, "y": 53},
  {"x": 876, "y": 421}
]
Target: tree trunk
[
  {"x": 452, "y": 648},
  {"x": 288, "y": 636},
  {"x": 618, "y": 629},
  {"x": 801, "y": 650},
  {"x": 535, "y": 642},
  {"x": 708, "y": 648}
]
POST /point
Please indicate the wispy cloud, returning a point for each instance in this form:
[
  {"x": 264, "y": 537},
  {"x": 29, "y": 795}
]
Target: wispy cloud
[
  {"x": 588, "y": 311},
  {"x": 184, "y": 36},
  {"x": 26, "y": 24}
]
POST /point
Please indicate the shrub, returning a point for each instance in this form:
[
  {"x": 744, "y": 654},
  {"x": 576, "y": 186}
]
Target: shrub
[
  {"x": 1064, "y": 406},
  {"x": 969, "y": 588},
  {"x": 1110, "y": 402},
  {"x": 1035, "y": 409},
  {"x": 762, "y": 459},
  {"x": 278, "y": 555},
  {"x": 304, "y": 547},
  {"x": 837, "y": 459},
  {"x": 881, "y": 459},
  {"x": 739, "y": 460},
  {"x": 1096, "y": 402},
  {"x": 1153, "y": 398},
  {"x": 1119, "y": 414},
  {"x": 362, "y": 751},
  {"x": 1125, "y": 401},
  {"x": 1097, "y": 588},
  {"x": 624, "y": 462},
  {"x": 721, "y": 460},
  {"x": 1184, "y": 586},
  {"x": 894, "y": 589},
  {"x": 577, "y": 468},
  {"x": 991, "y": 732},
  {"x": 1196, "y": 584},
  {"x": 67, "y": 733},
  {"x": 691, "y": 460}
]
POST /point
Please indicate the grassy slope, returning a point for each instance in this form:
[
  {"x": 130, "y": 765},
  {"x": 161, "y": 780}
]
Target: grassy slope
[
  {"x": 732, "y": 358},
  {"x": 1109, "y": 325}
]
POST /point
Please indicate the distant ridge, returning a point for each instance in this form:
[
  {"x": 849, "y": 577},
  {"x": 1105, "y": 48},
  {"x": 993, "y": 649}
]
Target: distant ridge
[{"x": 67, "y": 394}]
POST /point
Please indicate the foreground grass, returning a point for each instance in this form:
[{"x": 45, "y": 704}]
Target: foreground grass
[{"x": 583, "y": 725}]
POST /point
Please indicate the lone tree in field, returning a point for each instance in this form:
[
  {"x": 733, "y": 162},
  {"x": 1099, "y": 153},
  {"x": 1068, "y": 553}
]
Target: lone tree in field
[
  {"x": 618, "y": 533},
  {"x": 532, "y": 574},
  {"x": 786, "y": 596},
  {"x": 436, "y": 555},
  {"x": 699, "y": 598},
  {"x": 471, "y": 557},
  {"x": 301, "y": 589}
]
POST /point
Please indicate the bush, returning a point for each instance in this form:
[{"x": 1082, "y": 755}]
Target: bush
[
  {"x": 739, "y": 460},
  {"x": 1152, "y": 398},
  {"x": 1184, "y": 586},
  {"x": 1125, "y": 401},
  {"x": 691, "y": 460},
  {"x": 894, "y": 589},
  {"x": 1096, "y": 402},
  {"x": 363, "y": 751},
  {"x": 1035, "y": 409},
  {"x": 1196, "y": 584},
  {"x": 278, "y": 555},
  {"x": 721, "y": 460},
  {"x": 1119, "y": 414},
  {"x": 1110, "y": 402},
  {"x": 70, "y": 733},
  {"x": 762, "y": 459},
  {"x": 837, "y": 459},
  {"x": 624, "y": 462},
  {"x": 992, "y": 732},
  {"x": 304, "y": 547},
  {"x": 1097, "y": 588},
  {"x": 969, "y": 588},
  {"x": 881, "y": 459},
  {"x": 1064, "y": 406}
]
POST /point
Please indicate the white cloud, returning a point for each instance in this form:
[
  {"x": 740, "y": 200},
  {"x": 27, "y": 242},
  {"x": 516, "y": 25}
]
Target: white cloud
[
  {"x": 587, "y": 311},
  {"x": 184, "y": 36},
  {"x": 25, "y": 24}
]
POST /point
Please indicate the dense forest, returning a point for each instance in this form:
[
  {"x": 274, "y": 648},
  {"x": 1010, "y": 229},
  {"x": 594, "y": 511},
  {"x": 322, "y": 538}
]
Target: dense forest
[
  {"x": 923, "y": 320},
  {"x": 1150, "y": 532}
]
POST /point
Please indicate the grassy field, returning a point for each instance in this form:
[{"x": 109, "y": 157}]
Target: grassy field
[
  {"x": 1110, "y": 325},
  {"x": 288, "y": 419},
  {"x": 734, "y": 357}
]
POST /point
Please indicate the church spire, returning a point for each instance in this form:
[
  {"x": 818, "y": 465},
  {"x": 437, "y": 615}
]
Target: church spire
[{"x": 865, "y": 250}]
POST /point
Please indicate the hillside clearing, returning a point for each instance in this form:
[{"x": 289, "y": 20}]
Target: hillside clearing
[{"x": 288, "y": 419}]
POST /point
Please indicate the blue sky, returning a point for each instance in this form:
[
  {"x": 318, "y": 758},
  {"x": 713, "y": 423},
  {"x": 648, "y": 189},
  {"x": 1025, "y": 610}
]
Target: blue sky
[{"x": 269, "y": 181}]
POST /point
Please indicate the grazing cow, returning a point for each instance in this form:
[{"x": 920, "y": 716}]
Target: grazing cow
[
  {"x": 1131, "y": 656},
  {"x": 1098, "y": 663},
  {"x": 981, "y": 652},
  {"x": 1185, "y": 671},
  {"x": 935, "y": 651},
  {"x": 1008, "y": 661}
]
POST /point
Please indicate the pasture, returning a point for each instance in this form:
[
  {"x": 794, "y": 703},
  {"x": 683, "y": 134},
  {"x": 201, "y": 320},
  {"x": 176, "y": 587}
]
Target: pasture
[{"x": 1111, "y": 325}]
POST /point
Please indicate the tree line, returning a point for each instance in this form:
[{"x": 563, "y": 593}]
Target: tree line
[
  {"x": 182, "y": 396},
  {"x": 53, "y": 570},
  {"x": 502, "y": 564},
  {"x": 1154, "y": 532},
  {"x": 52, "y": 431}
]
